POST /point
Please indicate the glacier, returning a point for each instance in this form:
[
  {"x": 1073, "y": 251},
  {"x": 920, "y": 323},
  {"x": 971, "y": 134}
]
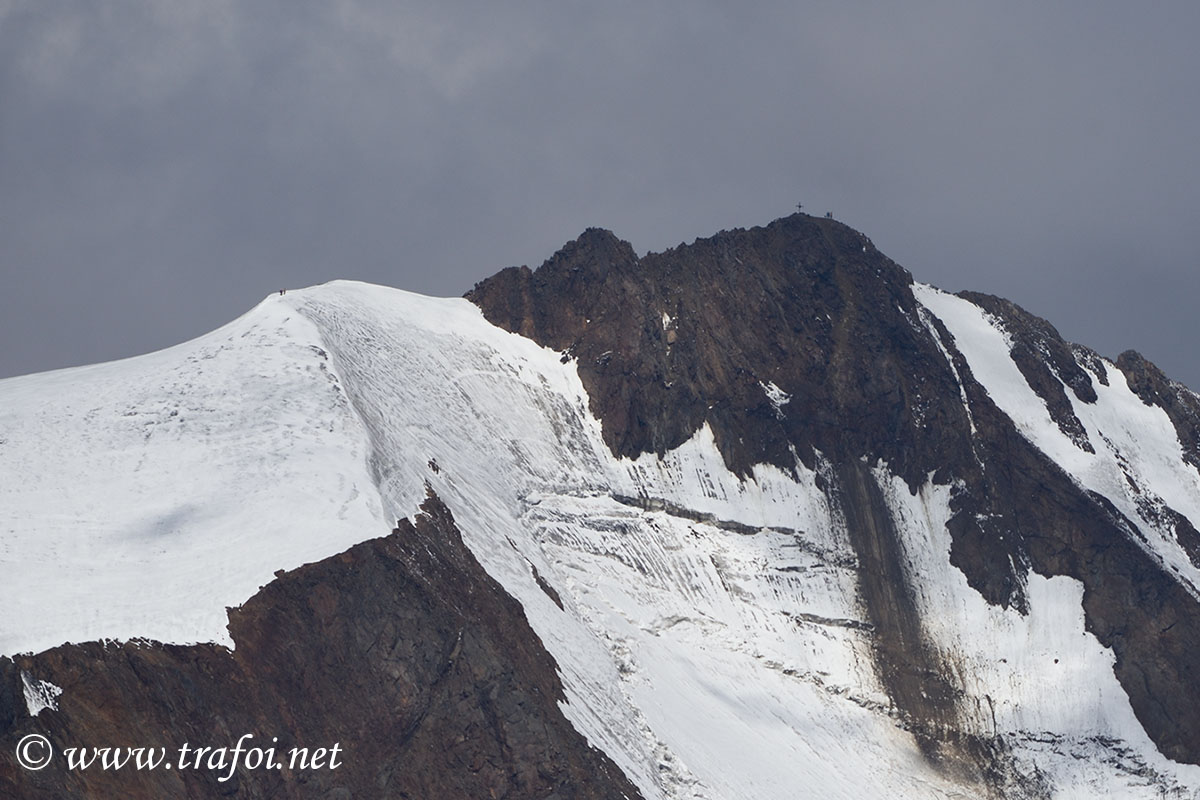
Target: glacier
[{"x": 707, "y": 627}]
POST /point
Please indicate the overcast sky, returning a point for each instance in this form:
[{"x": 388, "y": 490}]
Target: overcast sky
[{"x": 164, "y": 164}]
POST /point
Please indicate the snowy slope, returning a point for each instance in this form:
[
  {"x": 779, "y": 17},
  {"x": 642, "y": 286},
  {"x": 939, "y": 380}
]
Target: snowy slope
[
  {"x": 1040, "y": 681},
  {"x": 1138, "y": 463},
  {"x": 140, "y": 498},
  {"x": 711, "y": 642}
]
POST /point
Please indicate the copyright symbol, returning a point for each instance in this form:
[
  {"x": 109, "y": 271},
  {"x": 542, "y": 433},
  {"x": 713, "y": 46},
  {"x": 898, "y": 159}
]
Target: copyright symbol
[{"x": 34, "y": 751}]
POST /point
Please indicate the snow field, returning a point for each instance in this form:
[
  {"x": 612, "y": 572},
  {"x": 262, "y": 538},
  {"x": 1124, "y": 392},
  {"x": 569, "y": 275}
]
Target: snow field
[{"x": 139, "y": 498}]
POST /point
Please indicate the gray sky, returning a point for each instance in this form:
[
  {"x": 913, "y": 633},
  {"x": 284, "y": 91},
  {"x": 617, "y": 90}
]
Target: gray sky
[{"x": 166, "y": 163}]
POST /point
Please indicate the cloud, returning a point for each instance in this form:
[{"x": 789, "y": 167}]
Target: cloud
[
  {"x": 138, "y": 52},
  {"x": 455, "y": 48},
  {"x": 215, "y": 150}
]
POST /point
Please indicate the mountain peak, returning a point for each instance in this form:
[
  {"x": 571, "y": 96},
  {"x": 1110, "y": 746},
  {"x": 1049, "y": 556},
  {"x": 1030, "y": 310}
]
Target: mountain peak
[
  {"x": 673, "y": 340},
  {"x": 801, "y": 346},
  {"x": 752, "y": 515}
]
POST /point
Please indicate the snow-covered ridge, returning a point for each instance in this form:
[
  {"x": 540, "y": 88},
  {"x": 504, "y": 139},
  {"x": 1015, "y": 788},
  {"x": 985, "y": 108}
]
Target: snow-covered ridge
[
  {"x": 1138, "y": 463},
  {"x": 708, "y": 660}
]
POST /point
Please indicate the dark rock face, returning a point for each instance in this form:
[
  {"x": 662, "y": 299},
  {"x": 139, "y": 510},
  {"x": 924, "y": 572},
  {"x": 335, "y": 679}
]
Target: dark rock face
[
  {"x": 675, "y": 339},
  {"x": 671, "y": 341},
  {"x": 402, "y": 650}
]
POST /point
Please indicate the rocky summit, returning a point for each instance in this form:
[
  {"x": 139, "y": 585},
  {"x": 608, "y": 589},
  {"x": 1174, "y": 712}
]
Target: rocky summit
[{"x": 758, "y": 516}]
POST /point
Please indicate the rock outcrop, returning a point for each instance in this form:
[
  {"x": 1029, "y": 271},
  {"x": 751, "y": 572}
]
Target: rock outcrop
[{"x": 402, "y": 651}]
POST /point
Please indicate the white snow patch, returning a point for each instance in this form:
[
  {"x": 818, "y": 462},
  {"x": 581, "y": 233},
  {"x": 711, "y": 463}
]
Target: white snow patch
[
  {"x": 776, "y": 396},
  {"x": 39, "y": 695}
]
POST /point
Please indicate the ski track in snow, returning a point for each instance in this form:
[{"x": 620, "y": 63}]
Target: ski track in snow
[{"x": 142, "y": 497}]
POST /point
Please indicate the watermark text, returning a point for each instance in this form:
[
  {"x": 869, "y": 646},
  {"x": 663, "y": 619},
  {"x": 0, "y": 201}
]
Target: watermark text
[{"x": 35, "y": 752}]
